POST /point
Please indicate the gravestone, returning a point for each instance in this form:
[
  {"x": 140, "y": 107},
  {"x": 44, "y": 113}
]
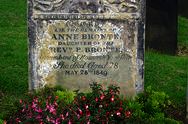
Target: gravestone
[
  {"x": 76, "y": 42},
  {"x": 161, "y": 25}
]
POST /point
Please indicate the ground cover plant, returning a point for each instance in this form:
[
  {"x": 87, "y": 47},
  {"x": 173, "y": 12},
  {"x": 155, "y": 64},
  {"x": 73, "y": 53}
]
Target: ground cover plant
[
  {"x": 100, "y": 106},
  {"x": 162, "y": 72}
]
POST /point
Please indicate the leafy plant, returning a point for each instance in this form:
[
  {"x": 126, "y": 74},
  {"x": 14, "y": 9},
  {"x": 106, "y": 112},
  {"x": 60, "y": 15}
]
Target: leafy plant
[
  {"x": 66, "y": 96},
  {"x": 154, "y": 102},
  {"x": 150, "y": 107},
  {"x": 1, "y": 121},
  {"x": 100, "y": 106}
]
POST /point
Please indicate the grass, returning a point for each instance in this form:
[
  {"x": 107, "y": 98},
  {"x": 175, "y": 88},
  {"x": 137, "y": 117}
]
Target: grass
[
  {"x": 13, "y": 49},
  {"x": 182, "y": 31},
  {"x": 163, "y": 72},
  {"x": 167, "y": 73}
]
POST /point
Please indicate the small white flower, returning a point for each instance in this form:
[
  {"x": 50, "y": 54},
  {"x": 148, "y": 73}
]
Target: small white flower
[{"x": 100, "y": 106}]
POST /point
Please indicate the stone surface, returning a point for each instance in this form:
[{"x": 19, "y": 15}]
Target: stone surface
[
  {"x": 161, "y": 25},
  {"x": 76, "y": 42}
]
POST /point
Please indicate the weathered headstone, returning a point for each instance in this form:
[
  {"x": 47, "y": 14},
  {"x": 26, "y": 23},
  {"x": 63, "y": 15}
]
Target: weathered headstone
[
  {"x": 161, "y": 25},
  {"x": 76, "y": 42}
]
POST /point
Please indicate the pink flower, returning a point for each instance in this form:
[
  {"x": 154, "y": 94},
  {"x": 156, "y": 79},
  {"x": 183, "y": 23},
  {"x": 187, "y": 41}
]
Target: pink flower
[
  {"x": 33, "y": 105},
  {"x": 41, "y": 122},
  {"x": 80, "y": 111},
  {"x": 29, "y": 115},
  {"x": 86, "y": 106},
  {"x": 38, "y": 117},
  {"x": 35, "y": 100},
  {"x": 52, "y": 120},
  {"x": 62, "y": 117},
  {"x": 69, "y": 122},
  {"x": 55, "y": 103},
  {"x": 78, "y": 116},
  {"x": 53, "y": 110},
  {"x": 96, "y": 99},
  {"x": 67, "y": 114},
  {"x": 128, "y": 114},
  {"x": 83, "y": 98},
  {"x": 112, "y": 98},
  {"x": 55, "y": 121},
  {"x": 118, "y": 113},
  {"x": 48, "y": 119},
  {"x": 18, "y": 120},
  {"x": 39, "y": 110},
  {"x": 88, "y": 122},
  {"x": 21, "y": 101},
  {"x": 102, "y": 96},
  {"x": 23, "y": 110}
]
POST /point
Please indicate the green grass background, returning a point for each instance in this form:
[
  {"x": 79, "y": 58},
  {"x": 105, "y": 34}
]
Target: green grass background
[
  {"x": 162, "y": 72},
  {"x": 183, "y": 31}
]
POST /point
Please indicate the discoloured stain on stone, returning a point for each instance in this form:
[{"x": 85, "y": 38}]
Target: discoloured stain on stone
[{"x": 78, "y": 42}]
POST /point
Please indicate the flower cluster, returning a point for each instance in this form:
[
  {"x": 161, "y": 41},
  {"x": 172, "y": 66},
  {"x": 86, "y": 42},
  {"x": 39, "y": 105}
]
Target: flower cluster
[
  {"x": 99, "y": 106},
  {"x": 38, "y": 111},
  {"x": 102, "y": 106}
]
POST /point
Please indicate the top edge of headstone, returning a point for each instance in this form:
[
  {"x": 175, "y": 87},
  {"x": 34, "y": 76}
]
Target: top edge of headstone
[
  {"x": 85, "y": 6},
  {"x": 92, "y": 9}
]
